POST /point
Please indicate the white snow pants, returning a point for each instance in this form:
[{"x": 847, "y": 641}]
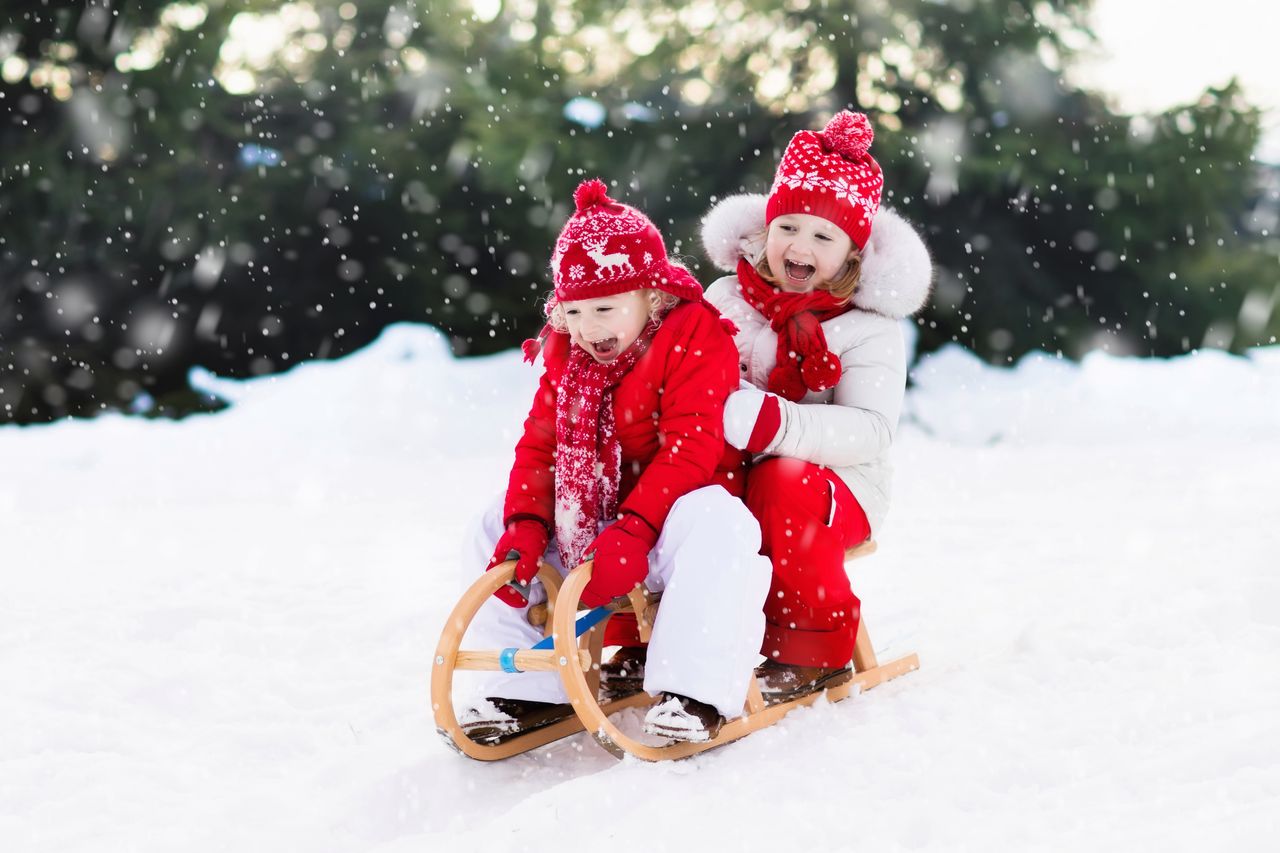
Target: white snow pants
[{"x": 706, "y": 639}]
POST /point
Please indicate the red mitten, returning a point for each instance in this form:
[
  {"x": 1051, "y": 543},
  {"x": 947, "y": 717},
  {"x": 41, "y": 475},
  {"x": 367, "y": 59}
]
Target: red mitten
[
  {"x": 620, "y": 559},
  {"x": 751, "y": 419},
  {"x": 525, "y": 540}
]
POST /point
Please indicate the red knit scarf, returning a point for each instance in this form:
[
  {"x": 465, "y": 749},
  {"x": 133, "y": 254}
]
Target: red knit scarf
[
  {"x": 804, "y": 362},
  {"x": 588, "y": 454}
]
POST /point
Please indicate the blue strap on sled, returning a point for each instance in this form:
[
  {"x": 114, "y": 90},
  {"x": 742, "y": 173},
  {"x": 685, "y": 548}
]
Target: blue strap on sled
[
  {"x": 587, "y": 621},
  {"x": 507, "y": 660}
]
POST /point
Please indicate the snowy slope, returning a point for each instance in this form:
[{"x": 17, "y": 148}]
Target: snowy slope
[{"x": 216, "y": 634}]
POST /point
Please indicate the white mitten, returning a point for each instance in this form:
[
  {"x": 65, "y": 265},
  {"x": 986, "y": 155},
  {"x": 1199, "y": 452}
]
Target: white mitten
[{"x": 751, "y": 419}]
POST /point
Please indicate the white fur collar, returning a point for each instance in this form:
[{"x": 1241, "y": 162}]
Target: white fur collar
[{"x": 897, "y": 273}]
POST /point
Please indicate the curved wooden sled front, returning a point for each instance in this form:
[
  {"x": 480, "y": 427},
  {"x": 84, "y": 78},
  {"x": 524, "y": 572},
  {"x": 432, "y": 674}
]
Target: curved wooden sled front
[
  {"x": 450, "y": 657},
  {"x": 757, "y": 715}
]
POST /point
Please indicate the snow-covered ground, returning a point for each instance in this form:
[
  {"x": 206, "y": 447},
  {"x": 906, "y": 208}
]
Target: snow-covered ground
[{"x": 216, "y": 634}]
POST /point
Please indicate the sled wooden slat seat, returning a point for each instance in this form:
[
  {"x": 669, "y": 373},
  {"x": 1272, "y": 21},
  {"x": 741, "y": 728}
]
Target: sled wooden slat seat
[
  {"x": 577, "y": 659},
  {"x": 866, "y": 549}
]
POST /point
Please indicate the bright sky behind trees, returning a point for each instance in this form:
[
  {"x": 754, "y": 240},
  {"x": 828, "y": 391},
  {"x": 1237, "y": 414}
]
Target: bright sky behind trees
[{"x": 1156, "y": 54}]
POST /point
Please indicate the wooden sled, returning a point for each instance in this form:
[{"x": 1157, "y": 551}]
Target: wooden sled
[{"x": 577, "y": 660}]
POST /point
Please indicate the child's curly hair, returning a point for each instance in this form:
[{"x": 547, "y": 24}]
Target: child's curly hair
[
  {"x": 843, "y": 287},
  {"x": 660, "y": 304}
]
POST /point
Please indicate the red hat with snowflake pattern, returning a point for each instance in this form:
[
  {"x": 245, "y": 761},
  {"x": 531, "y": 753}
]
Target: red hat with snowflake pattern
[
  {"x": 831, "y": 174},
  {"x": 607, "y": 248}
]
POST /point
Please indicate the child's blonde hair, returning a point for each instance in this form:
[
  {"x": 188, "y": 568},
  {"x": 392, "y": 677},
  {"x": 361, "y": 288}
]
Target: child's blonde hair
[
  {"x": 660, "y": 304},
  {"x": 843, "y": 287}
]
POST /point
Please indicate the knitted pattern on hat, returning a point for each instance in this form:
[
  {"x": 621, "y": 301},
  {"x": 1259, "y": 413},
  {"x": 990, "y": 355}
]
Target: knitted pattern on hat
[
  {"x": 831, "y": 174},
  {"x": 607, "y": 248}
]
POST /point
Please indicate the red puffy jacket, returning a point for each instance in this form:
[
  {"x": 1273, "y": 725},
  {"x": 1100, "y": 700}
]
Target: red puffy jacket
[{"x": 670, "y": 424}]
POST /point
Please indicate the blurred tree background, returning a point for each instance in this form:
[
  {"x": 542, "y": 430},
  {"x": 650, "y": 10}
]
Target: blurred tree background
[{"x": 246, "y": 185}]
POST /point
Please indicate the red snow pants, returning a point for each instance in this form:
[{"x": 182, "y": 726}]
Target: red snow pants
[{"x": 808, "y": 517}]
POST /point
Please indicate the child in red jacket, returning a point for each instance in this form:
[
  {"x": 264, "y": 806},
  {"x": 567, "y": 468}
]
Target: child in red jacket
[{"x": 623, "y": 461}]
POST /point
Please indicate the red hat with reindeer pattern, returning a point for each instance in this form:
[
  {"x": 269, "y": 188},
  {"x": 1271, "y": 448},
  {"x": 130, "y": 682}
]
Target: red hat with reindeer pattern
[
  {"x": 607, "y": 248},
  {"x": 831, "y": 174}
]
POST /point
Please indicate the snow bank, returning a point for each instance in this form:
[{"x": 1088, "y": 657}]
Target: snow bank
[{"x": 1044, "y": 399}]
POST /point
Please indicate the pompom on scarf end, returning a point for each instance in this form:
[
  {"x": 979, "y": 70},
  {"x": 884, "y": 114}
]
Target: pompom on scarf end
[{"x": 533, "y": 345}]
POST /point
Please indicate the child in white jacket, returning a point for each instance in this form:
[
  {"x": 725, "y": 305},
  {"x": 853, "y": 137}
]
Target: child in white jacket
[{"x": 822, "y": 278}]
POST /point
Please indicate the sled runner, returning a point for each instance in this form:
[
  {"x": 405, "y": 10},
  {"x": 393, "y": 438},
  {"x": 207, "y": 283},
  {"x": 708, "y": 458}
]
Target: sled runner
[{"x": 572, "y": 648}]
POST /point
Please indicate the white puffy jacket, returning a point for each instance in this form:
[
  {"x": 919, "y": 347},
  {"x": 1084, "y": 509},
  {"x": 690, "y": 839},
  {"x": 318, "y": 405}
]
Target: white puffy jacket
[{"x": 849, "y": 428}]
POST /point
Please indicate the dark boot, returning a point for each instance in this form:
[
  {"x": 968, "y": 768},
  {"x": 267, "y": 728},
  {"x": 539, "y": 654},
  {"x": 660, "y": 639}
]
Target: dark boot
[
  {"x": 782, "y": 682},
  {"x": 623, "y": 674},
  {"x": 681, "y": 718},
  {"x": 494, "y": 720}
]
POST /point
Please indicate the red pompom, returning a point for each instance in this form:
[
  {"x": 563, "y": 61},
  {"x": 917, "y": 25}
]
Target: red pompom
[
  {"x": 821, "y": 373},
  {"x": 590, "y": 193},
  {"x": 849, "y": 134},
  {"x": 533, "y": 346},
  {"x": 786, "y": 382}
]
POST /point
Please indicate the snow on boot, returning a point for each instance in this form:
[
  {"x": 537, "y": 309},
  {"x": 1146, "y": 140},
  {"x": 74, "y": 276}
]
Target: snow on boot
[
  {"x": 623, "y": 674},
  {"x": 681, "y": 718},
  {"x": 494, "y": 720},
  {"x": 782, "y": 682}
]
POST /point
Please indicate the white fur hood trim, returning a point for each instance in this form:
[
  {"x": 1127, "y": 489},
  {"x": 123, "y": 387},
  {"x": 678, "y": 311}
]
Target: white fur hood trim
[{"x": 897, "y": 273}]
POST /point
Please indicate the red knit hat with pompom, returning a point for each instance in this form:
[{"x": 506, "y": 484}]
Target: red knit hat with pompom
[
  {"x": 831, "y": 174},
  {"x": 607, "y": 248}
]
